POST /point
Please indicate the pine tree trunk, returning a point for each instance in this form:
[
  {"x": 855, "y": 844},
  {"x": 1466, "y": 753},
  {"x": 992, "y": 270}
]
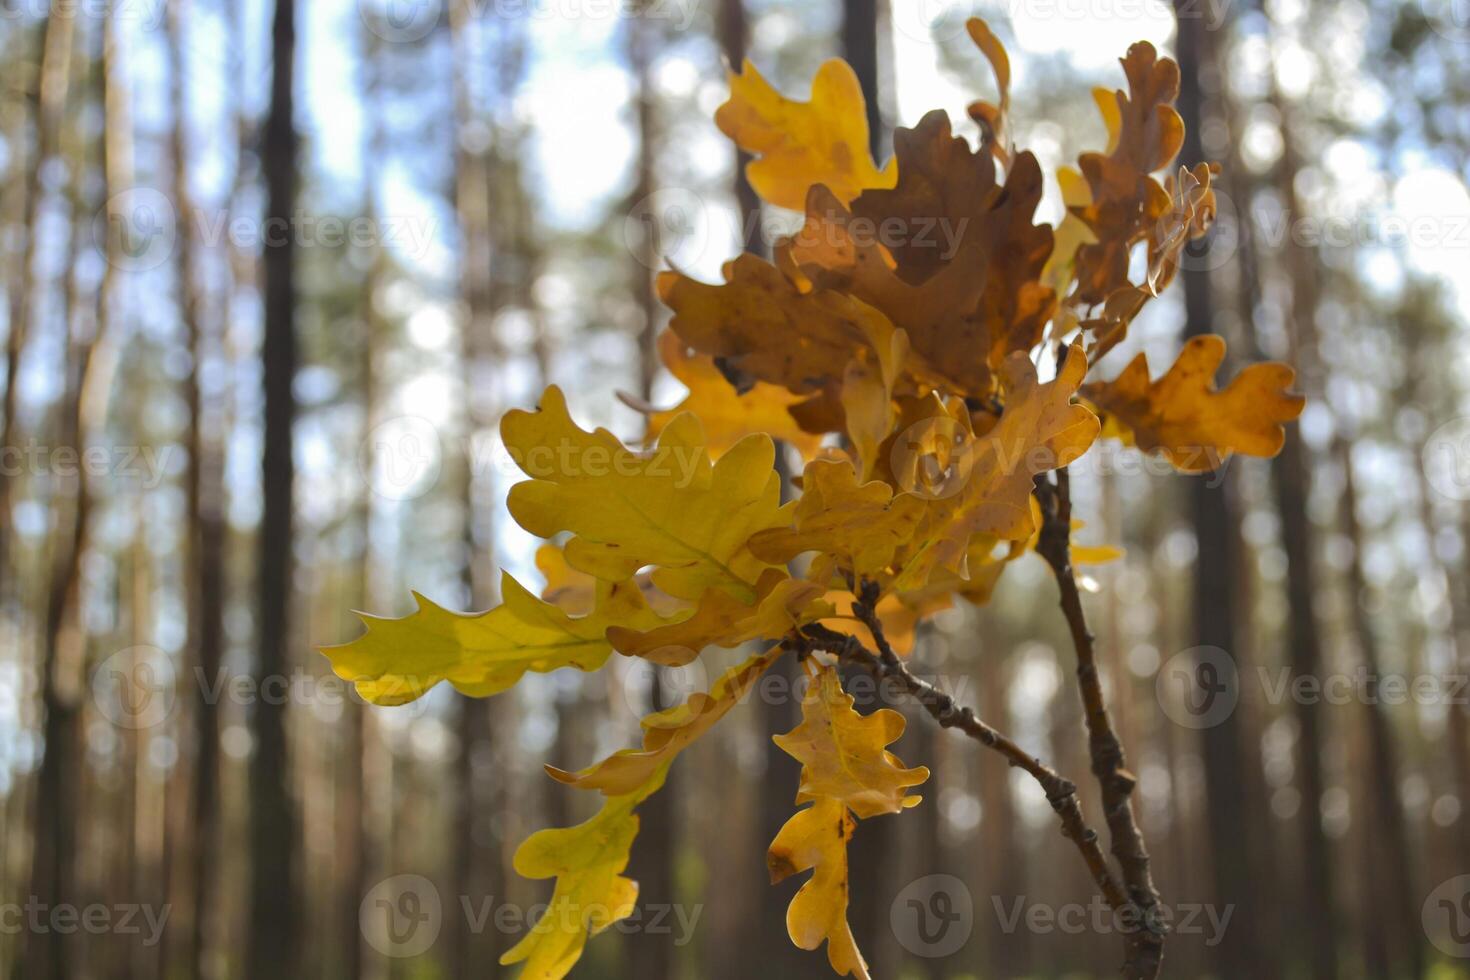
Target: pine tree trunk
[
  {"x": 651, "y": 954},
  {"x": 274, "y": 912},
  {"x": 1392, "y": 911},
  {"x": 51, "y": 83},
  {"x": 1291, "y": 473},
  {"x": 204, "y": 488},
  {"x": 1231, "y": 827},
  {"x": 477, "y": 872}
]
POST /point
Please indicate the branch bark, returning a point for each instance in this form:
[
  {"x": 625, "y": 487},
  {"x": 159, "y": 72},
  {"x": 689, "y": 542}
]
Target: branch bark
[
  {"x": 1108, "y": 762},
  {"x": 1143, "y": 934}
]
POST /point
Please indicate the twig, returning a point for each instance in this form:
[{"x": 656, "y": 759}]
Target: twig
[
  {"x": 1061, "y": 793},
  {"x": 1108, "y": 763}
]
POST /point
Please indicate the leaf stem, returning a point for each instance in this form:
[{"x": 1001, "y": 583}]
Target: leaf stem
[
  {"x": 1146, "y": 945},
  {"x": 1061, "y": 793}
]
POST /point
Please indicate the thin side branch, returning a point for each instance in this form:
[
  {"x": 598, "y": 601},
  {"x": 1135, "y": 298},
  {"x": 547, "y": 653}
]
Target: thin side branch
[
  {"x": 1108, "y": 763},
  {"x": 1061, "y": 793}
]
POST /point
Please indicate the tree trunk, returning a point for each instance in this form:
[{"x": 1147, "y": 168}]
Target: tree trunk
[
  {"x": 1391, "y": 908},
  {"x": 204, "y": 490},
  {"x": 477, "y": 871},
  {"x": 650, "y": 953},
  {"x": 273, "y": 830},
  {"x": 1231, "y": 826},
  {"x": 1291, "y": 473},
  {"x": 53, "y": 78},
  {"x": 48, "y": 954}
]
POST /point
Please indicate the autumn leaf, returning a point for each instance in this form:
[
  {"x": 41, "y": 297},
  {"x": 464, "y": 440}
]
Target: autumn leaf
[
  {"x": 991, "y": 117},
  {"x": 760, "y": 326},
  {"x": 948, "y": 255},
  {"x": 1041, "y": 429},
  {"x": 668, "y": 508},
  {"x": 989, "y": 488},
  {"x": 575, "y": 592},
  {"x": 799, "y": 144},
  {"x": 844, "y": 754},
  {"x": 858, "y": 526},
  {"x": 868, "y": 386},
  {"x": 399, "y": 660},
  {"x": 1191, "y": 212},
  {"x": 846, "y": 770},
  {"x": 1186, "y": 418},
  {"x": 781, "y": 605},
  {"x": 815, "y": 840},
  {"x": 591, "y": 893},
  {"x": 667, "y": 733},
  {"x": 728, "y": 415}
]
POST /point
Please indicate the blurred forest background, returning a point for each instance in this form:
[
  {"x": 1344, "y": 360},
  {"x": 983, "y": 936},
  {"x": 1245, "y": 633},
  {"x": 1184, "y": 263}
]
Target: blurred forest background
[{"x": 272, "y": 272}]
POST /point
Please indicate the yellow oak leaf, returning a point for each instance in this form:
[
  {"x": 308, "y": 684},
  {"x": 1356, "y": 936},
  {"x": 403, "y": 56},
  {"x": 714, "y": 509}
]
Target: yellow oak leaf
[
  {"x": 667, "y": 733},
  {"x": 844, "y": 754},
  {"x": 1186, "y": 418},
  {"x": 1070, "y": 235},
  {"x": 815, "y": 839},
  {"x": 859, "y": 526},
  {"x": 728, "y": 415},
  {"x": 899, "y": 613},
  {"x": 399, "y": 660},
  {"x": 799, "y": 144},
  {"x": 591, "y": 893},
  {"x": 566, "y": 587},
  {"x": 992, "y": 116},
  {"x": 576, "y": 591},
  {"x": 867, "y": 391},
  {"x": 782, "y": 604},
  {"x": 669, "y": 507}
]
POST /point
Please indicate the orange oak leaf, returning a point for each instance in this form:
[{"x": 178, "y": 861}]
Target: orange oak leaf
[
  {"x": 948, "y": 255},
  {"x": 1186, "y": 418},
  {"x": 760, "y": 326}
]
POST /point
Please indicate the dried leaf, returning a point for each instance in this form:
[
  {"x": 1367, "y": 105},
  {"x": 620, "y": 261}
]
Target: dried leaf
[
  {"x": 1183, "y": 416},
  {"x": 667, "y": 733}
]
